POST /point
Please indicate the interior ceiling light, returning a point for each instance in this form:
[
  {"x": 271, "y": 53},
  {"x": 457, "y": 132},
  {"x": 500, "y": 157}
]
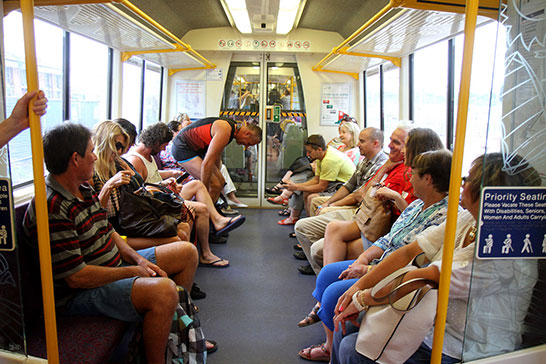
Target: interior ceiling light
[
  {"x": 288, "y": 10},
  {"x": 239, "y": 13}
]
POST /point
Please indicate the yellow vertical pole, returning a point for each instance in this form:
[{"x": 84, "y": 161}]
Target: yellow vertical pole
[
  {"x": 471, "y": 13},
  {"x": 27, "y": 10}
]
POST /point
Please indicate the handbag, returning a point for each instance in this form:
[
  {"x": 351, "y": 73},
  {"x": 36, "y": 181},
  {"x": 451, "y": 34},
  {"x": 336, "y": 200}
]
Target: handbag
[
  {"x": 186, "y": 343},
  {"x": 147, "y": 214},
  {"x": 391, "y": 333},
  {"x": 373, "y": 216},
  {"x": 301, "y": 164}
]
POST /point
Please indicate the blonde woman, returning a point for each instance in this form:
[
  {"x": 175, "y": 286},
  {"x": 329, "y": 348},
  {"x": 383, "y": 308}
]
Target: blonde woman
[
  {"x": 112, "y": 172},
  {"x": 348, "y": 134}
]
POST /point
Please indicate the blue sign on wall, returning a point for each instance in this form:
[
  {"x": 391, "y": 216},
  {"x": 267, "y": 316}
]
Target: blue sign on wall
[
  {"x": 512, "y": 223},
  {"x": 6, "y": 224}
]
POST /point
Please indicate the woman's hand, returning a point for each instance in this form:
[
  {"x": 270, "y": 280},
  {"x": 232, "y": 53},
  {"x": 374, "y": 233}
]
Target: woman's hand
[
  {"x": 121, "y": 178},
  {"x": 350, "y": 313},
  {"x": 385, "y": 193},
  {"x": 354, "y": 271}
]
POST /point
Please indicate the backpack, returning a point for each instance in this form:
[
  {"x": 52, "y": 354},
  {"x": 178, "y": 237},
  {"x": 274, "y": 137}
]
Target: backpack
[{"x": 186, "y": 343}]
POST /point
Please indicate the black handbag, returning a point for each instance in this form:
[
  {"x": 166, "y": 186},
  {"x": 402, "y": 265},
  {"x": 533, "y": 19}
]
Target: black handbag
[
  {"x": 147, "y": 214},
  {"x": 300, "y": 164}
]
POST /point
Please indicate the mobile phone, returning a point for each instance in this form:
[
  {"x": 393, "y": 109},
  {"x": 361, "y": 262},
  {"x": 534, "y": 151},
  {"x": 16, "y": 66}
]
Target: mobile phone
[{"x": 179, "y": 179}]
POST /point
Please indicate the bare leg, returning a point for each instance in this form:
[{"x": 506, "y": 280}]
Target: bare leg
[
  {"x": 337, "y": 234},
  {"x": 202, "y": 230},
  {"x": 156, "y": 299},
  {"x": 197, "y": 189},
  {"x": 354, "y": 248},
  {"x": 308, "y": 198},
  {"x": 138, "y": 243},
  {"x": 179, "y": 261}
]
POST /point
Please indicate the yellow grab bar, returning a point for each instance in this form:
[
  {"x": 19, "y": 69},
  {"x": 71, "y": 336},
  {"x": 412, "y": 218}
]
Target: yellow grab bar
[
  {"x": 27, "y": 10},
  {"x": 471, "y": 15}
]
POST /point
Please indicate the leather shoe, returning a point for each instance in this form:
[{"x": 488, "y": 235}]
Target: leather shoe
[
  {"x": 300, "y": 255},
  {"x": 298, "y": 247},
  {"x": 306, "y": 269}
]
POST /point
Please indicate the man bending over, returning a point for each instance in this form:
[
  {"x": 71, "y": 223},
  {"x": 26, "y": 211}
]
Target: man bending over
[{"x": 199, "y": 146}]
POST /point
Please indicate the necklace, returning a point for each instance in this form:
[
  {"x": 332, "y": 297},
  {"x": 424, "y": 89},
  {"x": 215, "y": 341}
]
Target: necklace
[{"x": 472, "y": 233}]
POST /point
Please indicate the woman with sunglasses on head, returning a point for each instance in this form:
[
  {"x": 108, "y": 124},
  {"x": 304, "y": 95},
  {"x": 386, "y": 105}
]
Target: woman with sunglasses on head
[
  {"x": 492, "y": 310},
  {"x": 112, "y": 172}
]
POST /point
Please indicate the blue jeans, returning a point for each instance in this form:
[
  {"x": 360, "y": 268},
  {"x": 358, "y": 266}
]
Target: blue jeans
[
  {"x": 112, "y": 299},
  {"x": 329, "y": 288},
  {"x": 344, "y": 352}
]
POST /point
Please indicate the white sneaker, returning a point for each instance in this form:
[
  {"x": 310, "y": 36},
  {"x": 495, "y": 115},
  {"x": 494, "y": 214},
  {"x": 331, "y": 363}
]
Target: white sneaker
[{"x": 236, "y": 204}]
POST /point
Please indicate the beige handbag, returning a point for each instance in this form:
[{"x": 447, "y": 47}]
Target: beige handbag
[
  {"x": 391, "y": 333},
  {"x": 373, "y": 216}
]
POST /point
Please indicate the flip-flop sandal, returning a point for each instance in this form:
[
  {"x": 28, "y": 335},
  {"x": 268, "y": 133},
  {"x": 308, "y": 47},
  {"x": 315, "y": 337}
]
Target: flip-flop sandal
[
  {"x": 298, "y": 247},
  {"x": 311, "y": 318},
  {"x": 292, "y": 235},
  {"x": 285, "y": 212},
  {"x": 233, "y": 223},
  {"x": 321, "y": 353},
  {"x": 287, "y": 221},
  {"x": 213, "y": 264}
]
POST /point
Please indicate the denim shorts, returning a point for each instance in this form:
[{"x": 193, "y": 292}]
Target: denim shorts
[{"x": 112, "y": 299}]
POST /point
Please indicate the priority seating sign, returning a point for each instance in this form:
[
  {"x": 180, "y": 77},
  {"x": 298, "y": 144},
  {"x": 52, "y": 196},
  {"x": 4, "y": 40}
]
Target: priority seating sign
[{"x": 512, "y": 223}]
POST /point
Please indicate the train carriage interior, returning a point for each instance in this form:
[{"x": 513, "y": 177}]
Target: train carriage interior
[{"x": 471, "y": 71}]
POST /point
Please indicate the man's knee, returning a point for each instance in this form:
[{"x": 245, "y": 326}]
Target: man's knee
[
  {"x": 155, "y": 294},
  {"x": 316, "y": 251}
]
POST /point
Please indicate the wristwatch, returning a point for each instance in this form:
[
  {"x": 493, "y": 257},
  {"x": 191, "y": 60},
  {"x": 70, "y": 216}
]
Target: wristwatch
[{"x": 360, "y": 306}]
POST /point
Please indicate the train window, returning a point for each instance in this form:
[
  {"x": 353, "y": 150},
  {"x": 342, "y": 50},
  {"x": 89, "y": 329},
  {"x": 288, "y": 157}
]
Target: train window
[
  {"x": 484, "y": 77},
  {"x": 131, "y": 99},
  {"x": 152, "y": 92},
  {"x": 430, "y": 88},
  {"x": 373, "y": 112},
  {"x": 391, "y": 92},
  {"x": 49, "y": 54},
  {"x": 88, "y": 80}
]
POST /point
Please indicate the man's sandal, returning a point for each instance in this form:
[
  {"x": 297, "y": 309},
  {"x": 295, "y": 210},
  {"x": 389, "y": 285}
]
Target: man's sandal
[
  {"x": 315, "y": 353},
  {"x": 311, "y": 318}
]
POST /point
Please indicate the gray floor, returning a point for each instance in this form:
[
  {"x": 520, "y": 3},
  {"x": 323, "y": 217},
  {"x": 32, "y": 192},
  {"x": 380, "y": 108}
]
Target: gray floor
[{"x": 253, "y": 306}]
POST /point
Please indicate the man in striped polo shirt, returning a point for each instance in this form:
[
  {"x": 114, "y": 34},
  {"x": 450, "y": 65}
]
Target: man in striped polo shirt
[{"x": 95, "y": 272}]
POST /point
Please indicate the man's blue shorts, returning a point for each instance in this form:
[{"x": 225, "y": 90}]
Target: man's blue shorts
[{"x": 112, "y": 300}]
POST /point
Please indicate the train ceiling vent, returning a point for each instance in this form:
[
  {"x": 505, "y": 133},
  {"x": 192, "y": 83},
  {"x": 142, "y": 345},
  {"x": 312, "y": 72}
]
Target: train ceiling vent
[{"x": 263, "y": 23}]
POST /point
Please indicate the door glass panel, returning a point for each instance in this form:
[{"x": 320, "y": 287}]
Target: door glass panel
[
  {"x": 287, "y": 133},
  {"x": 242, "y": 103}
]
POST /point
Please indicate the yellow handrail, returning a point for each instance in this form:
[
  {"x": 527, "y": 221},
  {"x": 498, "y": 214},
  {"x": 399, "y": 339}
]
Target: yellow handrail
[
  {"x": 27, "y": 10},
  {"x": 471, "y": 16},
  {"x": 186, "y": 47}
]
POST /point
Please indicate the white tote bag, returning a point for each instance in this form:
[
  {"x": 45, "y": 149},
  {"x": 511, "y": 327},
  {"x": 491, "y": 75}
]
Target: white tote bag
[{"x": 391, "y": 333}]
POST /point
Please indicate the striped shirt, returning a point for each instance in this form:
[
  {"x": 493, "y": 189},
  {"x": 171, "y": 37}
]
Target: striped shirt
[
  {"x": 365, "y": 170},
  {"x": 80, "y": 234}
]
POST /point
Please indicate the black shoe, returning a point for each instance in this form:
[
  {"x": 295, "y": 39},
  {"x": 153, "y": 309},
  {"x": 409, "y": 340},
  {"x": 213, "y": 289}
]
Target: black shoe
[
  {"x": 196, "y": 292},
  {"x": 298, "y": 247},
  {"x": 306, "y": 269},
  {"x": 292, "y": 235},
  {"x": 300, "y": 255}
]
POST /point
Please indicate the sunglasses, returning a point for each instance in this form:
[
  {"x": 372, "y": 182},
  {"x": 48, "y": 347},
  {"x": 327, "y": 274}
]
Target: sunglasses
[{"x": 120, "y": 146}]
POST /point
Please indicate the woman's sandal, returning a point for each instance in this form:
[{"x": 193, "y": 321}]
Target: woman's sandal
[
  {"x": 275, "y": 190},
  {"x": 285, "y": 212},
  {"x": 311, "y": 318},
  {"x": 315, "y": 353},
  {"x": 275, "y": 201}
]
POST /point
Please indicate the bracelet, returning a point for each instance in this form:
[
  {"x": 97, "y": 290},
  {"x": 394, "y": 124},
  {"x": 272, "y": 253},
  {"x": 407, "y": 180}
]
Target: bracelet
[
  {"x": 360, "y": 306},
  {"x": 369, "y": 269}
]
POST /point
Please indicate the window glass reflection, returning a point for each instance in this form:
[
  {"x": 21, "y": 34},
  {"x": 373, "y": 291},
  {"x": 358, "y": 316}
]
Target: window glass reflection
[
  {"x": 49, "y": 53},
  {"x": 391, "y": 92},
  {"x": 88, "y": 80},
  {"x": 152, "y": 92},
  {"x": 373, "y": 111},
  {"x": 132, "y": 75}
]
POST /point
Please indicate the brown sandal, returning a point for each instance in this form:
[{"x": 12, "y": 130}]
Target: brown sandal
[
  {"x": 321, "y": 353},
  {"x": 311, "y": 318}
]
